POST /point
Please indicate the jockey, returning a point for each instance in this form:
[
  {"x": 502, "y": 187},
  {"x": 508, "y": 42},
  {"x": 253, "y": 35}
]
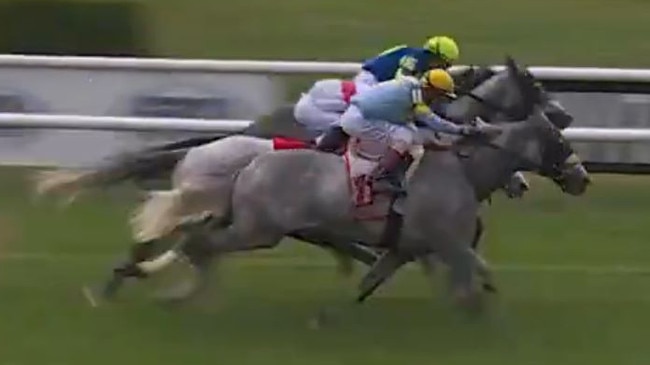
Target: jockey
[
  {"x": 323, "y": 104},
  {"x": 386, "y": 112},
  {"x": 437, "y": 52}
]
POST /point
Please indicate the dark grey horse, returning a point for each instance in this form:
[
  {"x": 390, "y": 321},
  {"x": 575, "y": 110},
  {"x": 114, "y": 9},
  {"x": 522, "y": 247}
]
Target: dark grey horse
[{"x": 441, "y": 210}]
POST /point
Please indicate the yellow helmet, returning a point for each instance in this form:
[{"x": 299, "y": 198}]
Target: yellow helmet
[
  {"x": 439, "y": 79},
  {"x": 444, "y": 47}
]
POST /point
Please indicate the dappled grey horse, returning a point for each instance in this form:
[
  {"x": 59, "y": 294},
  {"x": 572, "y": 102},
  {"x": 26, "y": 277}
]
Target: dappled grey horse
[
  {"x": 204, "y": 178},
  {"x": 440, "y": 211}
]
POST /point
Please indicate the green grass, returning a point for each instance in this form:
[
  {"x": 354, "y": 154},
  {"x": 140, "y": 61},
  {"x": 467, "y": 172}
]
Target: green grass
[
  {"x": 564, "y": 266},
  {"x": 551, "y": 32}
]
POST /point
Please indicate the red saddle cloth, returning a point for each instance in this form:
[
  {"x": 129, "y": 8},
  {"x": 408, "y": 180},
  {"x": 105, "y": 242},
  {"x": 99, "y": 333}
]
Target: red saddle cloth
[
  {"x": 367, "y": 204},
  {"x": 284, "y": 143}
]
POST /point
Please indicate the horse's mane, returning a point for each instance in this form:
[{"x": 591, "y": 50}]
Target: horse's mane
[{"x": 473, "y": 76}]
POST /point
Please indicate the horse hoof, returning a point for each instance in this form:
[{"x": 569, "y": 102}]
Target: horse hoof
[
  {"x": 473, "y": 303},
  {"x": 184, "y": 290},
  {"x": 176, "y": 295}
]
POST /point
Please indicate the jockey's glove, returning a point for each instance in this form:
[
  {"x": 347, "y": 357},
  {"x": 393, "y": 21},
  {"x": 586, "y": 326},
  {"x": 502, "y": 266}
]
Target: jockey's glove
[{"x": 482, "y": 129}]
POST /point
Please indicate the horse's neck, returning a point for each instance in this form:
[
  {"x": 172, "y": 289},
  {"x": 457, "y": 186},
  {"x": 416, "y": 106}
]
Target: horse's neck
[
  {"x": 468, "y": 108},
  {"x": 488, "y": 168}
]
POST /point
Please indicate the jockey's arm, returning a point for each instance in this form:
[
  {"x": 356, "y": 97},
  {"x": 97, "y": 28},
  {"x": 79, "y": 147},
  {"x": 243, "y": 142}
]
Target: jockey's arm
[
  {"x": 440, "y": 110},
  {"x": 423, "y": 114},
  {"x": 434, "y": 122}
]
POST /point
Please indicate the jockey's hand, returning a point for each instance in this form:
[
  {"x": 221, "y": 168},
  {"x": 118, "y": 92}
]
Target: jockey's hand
[
  {"x": 478, "y": 121},
  {"x": 480, "y": 130}
]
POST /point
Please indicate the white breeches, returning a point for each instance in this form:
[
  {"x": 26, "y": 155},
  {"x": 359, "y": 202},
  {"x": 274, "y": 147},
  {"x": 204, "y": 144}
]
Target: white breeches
[{"x": 396, "y": 136}]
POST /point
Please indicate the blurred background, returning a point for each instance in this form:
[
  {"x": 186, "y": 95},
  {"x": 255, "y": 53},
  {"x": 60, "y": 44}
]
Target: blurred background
[{"x": 573, "y": 271}]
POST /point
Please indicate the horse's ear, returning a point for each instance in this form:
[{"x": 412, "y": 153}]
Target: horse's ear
[{"x": 511, "y": 65}]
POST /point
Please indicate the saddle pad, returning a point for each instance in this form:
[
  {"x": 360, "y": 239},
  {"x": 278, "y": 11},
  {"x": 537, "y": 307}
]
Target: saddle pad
[
  {"x": 360, "y": 159},
  {"x": 358, "y": 169}
]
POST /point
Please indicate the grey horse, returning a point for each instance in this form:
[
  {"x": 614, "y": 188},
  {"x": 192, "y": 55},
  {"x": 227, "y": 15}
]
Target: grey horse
[
  {"x": 210, "y": 168},
  {"x": 440, "y": 211}
]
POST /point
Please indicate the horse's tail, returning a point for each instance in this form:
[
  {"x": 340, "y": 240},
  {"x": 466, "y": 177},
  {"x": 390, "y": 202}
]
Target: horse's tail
[
  {"x": 158, "y": 215},
  {"x": 136, "y": 166}
]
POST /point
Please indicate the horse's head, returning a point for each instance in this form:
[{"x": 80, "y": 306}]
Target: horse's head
[
  {"x": 470, "y": 77},
  {"x": 533, "y": 94},
  {"x": 551, "y": 155},
  {"x": 507, "y": 95}
]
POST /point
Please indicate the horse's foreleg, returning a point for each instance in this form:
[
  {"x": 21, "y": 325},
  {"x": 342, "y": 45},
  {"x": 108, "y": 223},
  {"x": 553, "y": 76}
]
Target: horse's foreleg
[
  {"x": 429, "y": 262},
  {"x": 483, "y": 268},
  {"x": 379, "y": 273},
  {"x": 478, "y": 233},
  {"x": 462, "y": 276}
]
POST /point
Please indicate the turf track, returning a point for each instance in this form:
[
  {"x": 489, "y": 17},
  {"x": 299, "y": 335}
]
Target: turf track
[{"x": 573, "y": 272}]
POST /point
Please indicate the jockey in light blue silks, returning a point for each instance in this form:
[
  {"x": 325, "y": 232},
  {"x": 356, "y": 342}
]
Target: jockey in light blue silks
[
  {"x": 386, "y": 113},
  {"x": 437, "y": 52}
]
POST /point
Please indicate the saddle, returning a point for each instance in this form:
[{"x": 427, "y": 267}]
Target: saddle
[{"x": 369, "y": 201}]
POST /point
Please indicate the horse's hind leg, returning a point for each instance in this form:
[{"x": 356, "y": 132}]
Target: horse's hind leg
[
  {"x": 343, "y": 250},
  {"x": 157, "y": 218},
  {"x": 202, "y": 249},
  {"x": 127, "y": 268}
]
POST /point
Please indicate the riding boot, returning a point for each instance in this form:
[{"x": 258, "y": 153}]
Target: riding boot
[
  {"x": 387, "y": 174},
  {"x": 392, "y": 230},
  {"x": 333, "y": 141}
]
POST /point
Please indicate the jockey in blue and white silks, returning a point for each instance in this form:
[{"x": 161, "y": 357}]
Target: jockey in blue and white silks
[
  {"x": 437, "y": 52},
  {"x": 386, "y": 113}
]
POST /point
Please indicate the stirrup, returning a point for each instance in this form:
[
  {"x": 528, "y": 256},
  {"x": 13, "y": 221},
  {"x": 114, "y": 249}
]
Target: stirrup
[{"x": 385, "y": 185}]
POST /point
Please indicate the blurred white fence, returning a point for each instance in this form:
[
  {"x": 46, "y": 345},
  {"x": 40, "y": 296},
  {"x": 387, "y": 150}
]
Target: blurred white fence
[
  {"x": 88, "y": 101},
  {"x": 292, "y": 67},
  {"x": 85, "y": 122}
]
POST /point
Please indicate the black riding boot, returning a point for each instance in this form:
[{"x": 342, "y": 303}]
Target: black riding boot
[
  {"x": 333, "y": 141},
  {"x": 392, "y": 230},
  {"x": 388, "y": 174}
]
